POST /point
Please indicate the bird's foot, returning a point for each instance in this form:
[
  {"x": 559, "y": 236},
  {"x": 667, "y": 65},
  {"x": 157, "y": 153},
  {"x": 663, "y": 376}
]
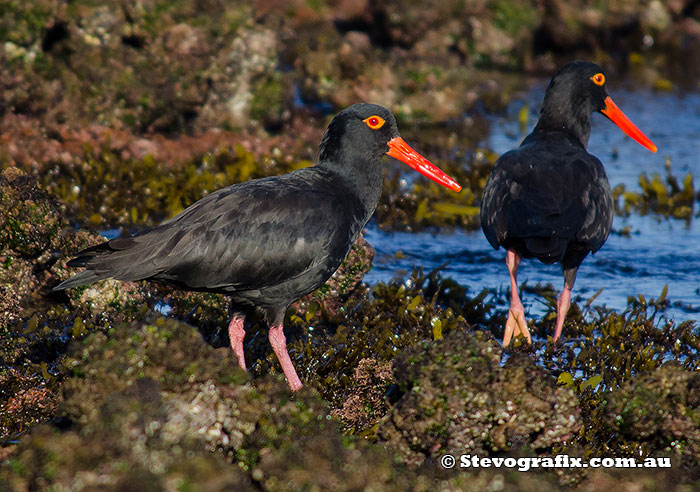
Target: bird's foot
[
  {"x": 236, "y": 333},
  {"x": 516, "y": 324}
]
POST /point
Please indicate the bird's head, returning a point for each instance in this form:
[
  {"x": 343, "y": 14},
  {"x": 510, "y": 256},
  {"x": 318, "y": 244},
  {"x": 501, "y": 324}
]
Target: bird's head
[
  {"x": 364, "y": 133},
  {"x": 579, "y": 89}
]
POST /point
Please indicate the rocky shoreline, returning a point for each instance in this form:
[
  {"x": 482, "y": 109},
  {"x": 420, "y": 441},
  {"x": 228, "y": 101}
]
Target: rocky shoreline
[{"x": 118, "y": 117}]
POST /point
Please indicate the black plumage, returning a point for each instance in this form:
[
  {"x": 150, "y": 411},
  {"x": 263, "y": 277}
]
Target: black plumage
[
  {"x": 550, "y": 199},
  {"x": 267, "y": 242}
]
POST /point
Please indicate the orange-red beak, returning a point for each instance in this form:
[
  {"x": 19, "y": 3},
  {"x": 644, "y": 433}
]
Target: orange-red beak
[
  {"x": 402, "y": 151},
  {"x": 618, "y": 117}
]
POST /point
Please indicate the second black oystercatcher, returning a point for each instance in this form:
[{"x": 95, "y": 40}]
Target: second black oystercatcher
[
  {"x": 550, "y": 199},
  {"x": 268, "y": 242}
]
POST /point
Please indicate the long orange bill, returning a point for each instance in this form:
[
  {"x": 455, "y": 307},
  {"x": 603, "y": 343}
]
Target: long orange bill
[
  {"x": 402, "y": 151},
  {"x": 618, "y": 117}
]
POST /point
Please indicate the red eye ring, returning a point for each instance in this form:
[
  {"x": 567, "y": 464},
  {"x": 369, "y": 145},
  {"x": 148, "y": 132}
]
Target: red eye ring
[
  {"x": 374, "y": 122},
  {"x": 598, "y": 79}
]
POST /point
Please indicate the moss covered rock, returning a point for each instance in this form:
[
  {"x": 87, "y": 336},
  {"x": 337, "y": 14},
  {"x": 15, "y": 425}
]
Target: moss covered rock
[
  {"x": 457, "y": 396},
  {"x": 153, "y": 407},
  {"x": 657, "y": 413}
]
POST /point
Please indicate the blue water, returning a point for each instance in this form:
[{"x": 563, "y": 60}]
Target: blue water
[{"x": 658, "y": 252}]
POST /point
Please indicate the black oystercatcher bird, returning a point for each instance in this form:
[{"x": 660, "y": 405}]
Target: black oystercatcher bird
[
  {"x": 268, "y": 242},
  {"x": 550, "y": 199}
]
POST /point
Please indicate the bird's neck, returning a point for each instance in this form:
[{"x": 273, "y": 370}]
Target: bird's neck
[
  {"x": 565, "y": 115},
  {"x": 360, "y": 177},
  {"x": 355, "y": 164}
]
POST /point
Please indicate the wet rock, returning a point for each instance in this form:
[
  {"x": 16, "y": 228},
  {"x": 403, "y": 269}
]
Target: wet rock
[
  {"x": 656, "y": 413},
  {"x": 457, "y": 396},
  {"x": 176, "y": 378},
  {"x": 9, "y": 305},
  {"x": 30, "y": 226},
  {"x": 31, "y": 234},
  {"x": 97, "y": 460},
  {"x": 152, "y": 404},
  {"x": 34, "y": 247},
  {"x": 244, "y": 80},
  {"x": 147, "y": 406},
  {"x": 31, "y": 219},
  {"x": 367, "y": 402},
  {"x": 375, "y": 326}
]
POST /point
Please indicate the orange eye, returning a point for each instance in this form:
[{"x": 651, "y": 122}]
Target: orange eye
[
  {"x": 374, "y": 122},
  {"x": 598, "y": 79}
]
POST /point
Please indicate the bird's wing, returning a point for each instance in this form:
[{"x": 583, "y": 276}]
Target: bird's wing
[
  {"x": 561, "y": 192},
  {"x": 246, "y": 236},
  {"x": 597, "y": 200},
  {"x": 495, "y": 200}
]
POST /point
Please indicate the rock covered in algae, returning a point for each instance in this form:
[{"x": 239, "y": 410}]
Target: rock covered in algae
[
  {"x": 458, "y": 397},
  {"x": 34, "y": 248},
  {"x": 367, "y": 403},
  {"x": 153, "y": 406},
  {"x": 32, "y": 334},
  {"x": 49, "y": 459},
  {"x": 658, "y": 412},
  {"x": 30, "y": 227}
]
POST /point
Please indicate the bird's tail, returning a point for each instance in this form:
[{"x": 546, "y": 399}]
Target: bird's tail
[
  {"x": 85, "y": 256},
  {"x": 83, "y": 278},
  {"x": 546, "y": 249}
]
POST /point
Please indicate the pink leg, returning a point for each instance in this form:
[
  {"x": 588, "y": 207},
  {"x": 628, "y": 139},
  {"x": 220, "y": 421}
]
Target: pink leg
[
  {"x": 279, "y": 345},
  {"x": 563, "y": 304},
  {"x": 516, "y": 323},
  {"x": 236, "y": 332}
]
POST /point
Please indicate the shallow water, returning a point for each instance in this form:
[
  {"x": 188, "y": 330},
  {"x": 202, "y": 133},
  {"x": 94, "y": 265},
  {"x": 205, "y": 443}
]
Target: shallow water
[{"x": 657, "y": 252}]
